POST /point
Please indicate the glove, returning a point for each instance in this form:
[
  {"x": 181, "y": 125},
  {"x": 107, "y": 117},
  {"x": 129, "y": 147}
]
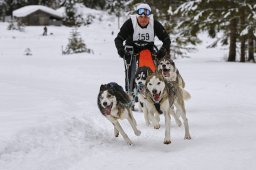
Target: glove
[
  {"x": 121, "y": 52},
  {"x": 125, "y": 55},
  {"x": 161, "y": 53}
]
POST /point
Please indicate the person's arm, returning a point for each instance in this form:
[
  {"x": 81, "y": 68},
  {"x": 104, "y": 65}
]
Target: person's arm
[
  {"x": 162, "y": 35},
  {"x": 125, "y": 31}
]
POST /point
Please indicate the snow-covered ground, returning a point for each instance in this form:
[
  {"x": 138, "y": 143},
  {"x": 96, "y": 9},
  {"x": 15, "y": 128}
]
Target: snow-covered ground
[{"x": 49, "y": 118}]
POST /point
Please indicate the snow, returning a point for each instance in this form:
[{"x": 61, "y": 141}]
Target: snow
[
  {"x": 27, "y": 10},
  {"x": 49, "y": 117},
  {"x": 83, "y": 11}
]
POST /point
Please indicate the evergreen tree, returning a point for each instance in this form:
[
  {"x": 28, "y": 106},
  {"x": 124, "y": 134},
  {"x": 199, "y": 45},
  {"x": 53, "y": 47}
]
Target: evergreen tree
[
  {"x": 75, "y": 44},
  {"x": 229, "y": 17},
  {"x": 95, "y": 4},
  {"x": 117, "y": 7},
  {"x": 70, "y": 19}
]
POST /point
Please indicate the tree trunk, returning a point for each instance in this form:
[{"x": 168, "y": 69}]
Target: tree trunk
[
  {"x": 251, "y": 46},
  {"x": 232, "y": 39},
  {"x": 242, "y": 49},
  {"x": 242, "y": 38}
]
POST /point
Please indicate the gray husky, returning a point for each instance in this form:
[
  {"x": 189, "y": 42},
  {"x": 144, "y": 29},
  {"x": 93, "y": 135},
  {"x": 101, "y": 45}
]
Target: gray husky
[
  {"x": 159, "y": 92},
  {"x": 174, "y": 80},
  {"x": 115, "y": 104}
]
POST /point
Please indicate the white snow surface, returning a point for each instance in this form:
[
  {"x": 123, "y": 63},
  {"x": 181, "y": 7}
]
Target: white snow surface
[
  {"x": 49, "y": 118},
  {"x": 26, "y": 10}
]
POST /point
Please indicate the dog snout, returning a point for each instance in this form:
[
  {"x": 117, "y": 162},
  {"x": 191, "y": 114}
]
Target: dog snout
[
  {"x": 154, "y": 91},
  {"x": 105, "y": 103},
  {"x": 140, "y": 83},
  {"x": 164, "y": 66}
]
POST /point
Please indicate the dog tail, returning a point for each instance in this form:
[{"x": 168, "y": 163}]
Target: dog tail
[{"x": 186, "y": 94}]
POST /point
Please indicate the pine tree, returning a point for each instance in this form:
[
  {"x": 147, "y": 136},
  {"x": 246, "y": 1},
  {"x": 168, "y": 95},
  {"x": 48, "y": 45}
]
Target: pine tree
[
  {"x": 117, "y": 7},
  {"x": 75, "y": 44},
  {"x": 70, "y": 19},
  {"x": 95, "y": 4},
  {"x": 232, "y": 18}
]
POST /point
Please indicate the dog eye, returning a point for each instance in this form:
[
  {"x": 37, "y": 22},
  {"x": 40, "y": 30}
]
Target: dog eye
[
  {"x": 108, "y": 96},
  {"x": 158, "y": 83},
  {"x": 150, "y": 84}
]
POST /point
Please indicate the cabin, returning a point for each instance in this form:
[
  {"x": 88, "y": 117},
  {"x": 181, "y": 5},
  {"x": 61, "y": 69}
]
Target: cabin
[{"x": 37, "y": 15}]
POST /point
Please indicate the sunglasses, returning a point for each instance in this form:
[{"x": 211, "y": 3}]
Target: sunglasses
[{"x": 143, "y": 11}]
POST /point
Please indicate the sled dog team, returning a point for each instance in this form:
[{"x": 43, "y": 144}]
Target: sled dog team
[{"x": 161, "y": 92}]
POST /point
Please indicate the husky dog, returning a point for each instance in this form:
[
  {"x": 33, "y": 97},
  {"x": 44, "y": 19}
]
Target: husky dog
[
  {"x": 169, "y": 71},
  {"x": 157, "y": 91},
  {"x": 171, "y": 74},
  {"x": 140, "y": 80},
  {"x": 115, "y": 104},
  {"x": 174, "y": 80}
]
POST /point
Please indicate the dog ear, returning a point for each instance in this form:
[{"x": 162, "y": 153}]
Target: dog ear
[
  {"x": 103, "y": 87},
  {"x": 172, "y": 62}
]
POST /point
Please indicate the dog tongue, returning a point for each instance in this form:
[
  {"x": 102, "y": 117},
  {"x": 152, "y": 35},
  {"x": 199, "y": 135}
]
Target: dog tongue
[
  {"x": 166, "y": 73},
  {"x": 108, "y": 110},
  {"x": 142, "y": 90},
  {"x": 156, "y": 97}
]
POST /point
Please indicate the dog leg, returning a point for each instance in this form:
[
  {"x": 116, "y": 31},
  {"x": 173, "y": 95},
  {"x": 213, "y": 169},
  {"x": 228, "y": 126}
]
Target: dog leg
[
  {"x": 131, "y": 120},
  {"x": 185, "y": 121},
  {"x": 125, "y": 136},
  {"x": 153, "y": 120},
  {"x": 176, "y": 118},
  {"x": 146, "y": 116},
  {"x": 132, "y": 117},
  {"x": 177, "y": 109},
  {"x": 167, "y": 139},
  {"x": 120, "y": 129},
  {"x": 157, "y": 117},
  {"x": 116, "y": 132}
]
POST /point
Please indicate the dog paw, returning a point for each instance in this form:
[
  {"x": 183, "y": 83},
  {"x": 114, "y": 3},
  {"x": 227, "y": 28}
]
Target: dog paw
[
  {"x": 116, "y": 135},
  {"x": 157, "y": 126},
  {"x": 137, "y": 133},
  {"x": 129, "y": 142},
  {"x": 167, "y": 141},
  {"x": 187, "y": 137}
]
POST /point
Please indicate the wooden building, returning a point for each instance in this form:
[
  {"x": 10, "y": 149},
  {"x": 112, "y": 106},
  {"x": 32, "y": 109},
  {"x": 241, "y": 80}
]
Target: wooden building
[{"x": 37, "y": 15}]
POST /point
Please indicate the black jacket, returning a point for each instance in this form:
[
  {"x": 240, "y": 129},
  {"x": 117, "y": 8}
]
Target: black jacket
[{"x": 126, "y": 34}]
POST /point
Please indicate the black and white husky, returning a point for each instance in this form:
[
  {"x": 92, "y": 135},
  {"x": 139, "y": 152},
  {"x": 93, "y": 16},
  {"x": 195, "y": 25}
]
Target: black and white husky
[
  {"x": 140, "y": 80},
  {"x": 115, "y": 104}
]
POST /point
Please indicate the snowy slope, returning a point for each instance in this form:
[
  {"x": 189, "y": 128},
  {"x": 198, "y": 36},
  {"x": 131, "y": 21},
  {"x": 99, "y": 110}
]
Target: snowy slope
[{"x": 49, "y": 118}]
